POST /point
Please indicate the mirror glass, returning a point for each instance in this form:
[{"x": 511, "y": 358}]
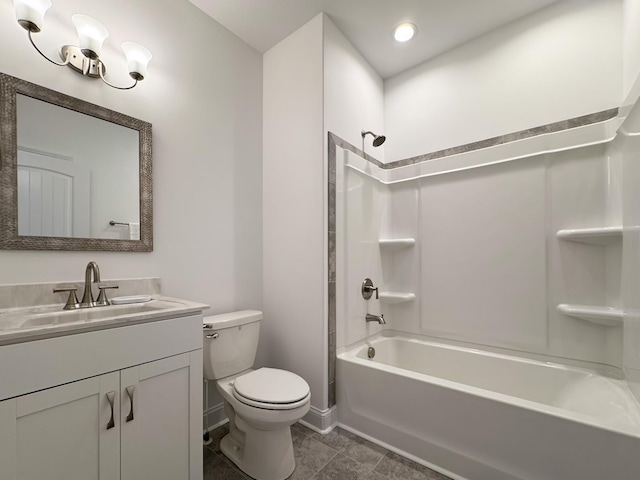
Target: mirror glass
[{"x": 76, "y": 173}]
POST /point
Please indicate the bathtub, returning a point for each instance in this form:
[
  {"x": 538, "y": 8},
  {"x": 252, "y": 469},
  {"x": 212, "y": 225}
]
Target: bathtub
[{"x": 479, "y": 415}]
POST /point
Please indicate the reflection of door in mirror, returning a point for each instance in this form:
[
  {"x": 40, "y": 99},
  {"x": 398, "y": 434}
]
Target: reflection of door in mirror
[
  {"x": 54, "y": 196},
  {"x": 61, "y": 140}
]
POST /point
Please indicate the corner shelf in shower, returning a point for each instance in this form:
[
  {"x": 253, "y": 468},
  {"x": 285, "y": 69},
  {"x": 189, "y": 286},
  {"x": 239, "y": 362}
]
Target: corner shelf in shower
[
  {"x": 396, "y": 297},
  {"x": 594, "y": 236},
  {"x": 392, "y": 244},
  {"x": 606, "y": 316}
]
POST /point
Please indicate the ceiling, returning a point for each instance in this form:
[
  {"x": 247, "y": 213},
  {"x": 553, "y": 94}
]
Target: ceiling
[{"x": 368, "y": 24}]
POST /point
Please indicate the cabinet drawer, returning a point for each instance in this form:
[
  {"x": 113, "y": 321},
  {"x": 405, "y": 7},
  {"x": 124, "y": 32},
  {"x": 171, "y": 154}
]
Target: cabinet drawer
[{"x": 32, "y": 366}]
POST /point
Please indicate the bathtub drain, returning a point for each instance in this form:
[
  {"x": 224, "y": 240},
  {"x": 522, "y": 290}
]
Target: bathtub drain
[{"x": 371, "y": 352}]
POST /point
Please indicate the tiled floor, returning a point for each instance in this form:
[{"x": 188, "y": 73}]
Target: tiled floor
[{"x": 339, "y": 455}]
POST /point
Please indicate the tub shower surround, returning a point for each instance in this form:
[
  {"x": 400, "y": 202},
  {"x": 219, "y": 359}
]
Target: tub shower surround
[
  {"x": 335, "y": 141},
  {"x": 364, "y": 409}
]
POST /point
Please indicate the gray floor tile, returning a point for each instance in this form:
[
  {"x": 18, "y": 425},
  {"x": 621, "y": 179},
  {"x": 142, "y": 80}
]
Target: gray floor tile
[
  {"x": 354, "y": 447},
  {"x": 336, "y": 438},
  {"x": 306, "y": 431},
  {"x": 310, "y": 454},
  {"x": 396, "y": 467},
  {"x": 218, "y": 468},
  {"x": 216, "y": 435},
  {"x": 206, "y": 453},
  {"x": 364, "y": 452},
  {"x": 338, "y": 455},
  {"x": 344, "y": 468}
]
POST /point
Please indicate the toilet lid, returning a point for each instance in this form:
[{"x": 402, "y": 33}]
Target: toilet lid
[{"x": 270, "y": 385}]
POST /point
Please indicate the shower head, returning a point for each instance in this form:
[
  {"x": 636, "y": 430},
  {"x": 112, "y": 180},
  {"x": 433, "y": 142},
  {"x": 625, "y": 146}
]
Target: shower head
[{"x": 377, "y": 139}]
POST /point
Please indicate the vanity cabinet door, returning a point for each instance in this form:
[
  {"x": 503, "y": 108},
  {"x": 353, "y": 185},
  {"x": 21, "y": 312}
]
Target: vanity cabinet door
[
  {"x": 161, "y": 419},
  {"x": 62, "y": 433}
]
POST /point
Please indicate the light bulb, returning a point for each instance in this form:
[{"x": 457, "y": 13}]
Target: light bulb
[
  {"x": 30, "y": 13},
  {"x": 404, "y": 32},
  {"x": 91, "y": 35},
  {"x": 138, "y": 58}
]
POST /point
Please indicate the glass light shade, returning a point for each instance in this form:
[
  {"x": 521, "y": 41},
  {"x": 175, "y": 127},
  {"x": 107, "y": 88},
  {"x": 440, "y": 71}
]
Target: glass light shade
[
  {"x": 138, "y": 58},
  {"x": 404, "y": 32},
  {"x": 31, "y": 10},
  {"x": 91, "y": 34}
]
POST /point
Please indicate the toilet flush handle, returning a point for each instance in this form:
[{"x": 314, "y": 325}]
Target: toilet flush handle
[{"x": 213, "y": 336}]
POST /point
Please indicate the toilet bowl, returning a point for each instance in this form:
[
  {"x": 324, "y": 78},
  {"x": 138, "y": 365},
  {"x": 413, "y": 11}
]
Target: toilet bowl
[{"x": 261, "y": 404}]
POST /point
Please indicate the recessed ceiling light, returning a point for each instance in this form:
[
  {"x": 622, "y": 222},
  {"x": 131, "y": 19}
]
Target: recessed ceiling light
[{"x": 404, "y": 32}]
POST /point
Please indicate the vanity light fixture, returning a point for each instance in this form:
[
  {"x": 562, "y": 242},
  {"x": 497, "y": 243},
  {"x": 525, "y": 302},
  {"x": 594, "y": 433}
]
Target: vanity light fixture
[
  {"x": 84, "y": 58},
  {"x": 404, "y": 32}
]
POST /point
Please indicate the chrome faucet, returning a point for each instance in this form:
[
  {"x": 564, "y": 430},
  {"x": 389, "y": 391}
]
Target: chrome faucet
[
  {"x": 376, "y": 318},
  {"x": 87, "y": 298},
  {"x": 92, "y": 271}
]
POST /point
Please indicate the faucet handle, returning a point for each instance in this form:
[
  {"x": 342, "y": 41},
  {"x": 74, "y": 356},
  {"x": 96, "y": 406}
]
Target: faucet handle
[
  {"x": 102, "y": 300},
  {"x": 368, "y": 289},
  {"x": 72, "y": 300}
]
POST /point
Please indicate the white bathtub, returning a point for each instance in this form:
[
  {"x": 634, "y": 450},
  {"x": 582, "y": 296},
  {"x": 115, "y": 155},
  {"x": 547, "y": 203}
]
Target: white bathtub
[{"x": 480, "y": 415}]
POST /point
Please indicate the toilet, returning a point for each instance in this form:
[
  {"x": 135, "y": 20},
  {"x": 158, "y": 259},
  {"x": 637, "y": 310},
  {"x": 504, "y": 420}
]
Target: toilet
[{"x": 261, "y": 404}]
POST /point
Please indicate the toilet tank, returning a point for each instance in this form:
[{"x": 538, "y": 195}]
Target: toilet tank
[{"x": 233, "y": 349}]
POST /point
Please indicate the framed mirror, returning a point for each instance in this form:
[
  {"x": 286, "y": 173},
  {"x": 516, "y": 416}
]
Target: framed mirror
[{"x": 73, "y": 175}]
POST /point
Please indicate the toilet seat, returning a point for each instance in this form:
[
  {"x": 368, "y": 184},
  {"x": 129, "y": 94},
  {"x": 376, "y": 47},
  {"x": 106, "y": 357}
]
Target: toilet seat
[{"x": 272, "y": 389}]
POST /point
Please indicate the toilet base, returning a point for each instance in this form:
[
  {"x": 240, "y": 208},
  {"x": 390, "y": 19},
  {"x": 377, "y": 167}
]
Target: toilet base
[{"x": 265, "y": 455}]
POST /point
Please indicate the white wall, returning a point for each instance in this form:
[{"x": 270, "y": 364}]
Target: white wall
[
  {"x": 558, "y": 63},
  {"x": 206, "y": 118},
  {"x": 631, "y": 66},
  {"x": 353, "y": 92},
  {"x": 293, "y": 332}
]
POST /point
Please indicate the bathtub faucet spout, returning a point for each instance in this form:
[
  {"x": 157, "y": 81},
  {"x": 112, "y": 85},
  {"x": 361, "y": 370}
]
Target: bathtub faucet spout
[{"x": 376, "y": 318}]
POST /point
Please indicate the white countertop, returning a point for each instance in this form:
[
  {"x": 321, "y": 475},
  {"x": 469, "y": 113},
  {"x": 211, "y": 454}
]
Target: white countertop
[{"x": 25, "y": 324}]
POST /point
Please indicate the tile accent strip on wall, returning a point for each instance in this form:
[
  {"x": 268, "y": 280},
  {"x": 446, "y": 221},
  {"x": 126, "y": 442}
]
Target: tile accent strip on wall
[
  {"x": 334, "y": 140},
  {"x": 331, "y": 258},
  {"x": 510, "y": 137}
]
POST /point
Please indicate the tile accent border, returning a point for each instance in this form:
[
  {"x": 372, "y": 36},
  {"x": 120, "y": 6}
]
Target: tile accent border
[
  {"x": 334, "y": 140},
  {"x": 510, "y": 137}
]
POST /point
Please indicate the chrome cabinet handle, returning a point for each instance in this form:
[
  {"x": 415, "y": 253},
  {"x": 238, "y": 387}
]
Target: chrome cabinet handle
[
  {"x": 213, "y": 335},
  {"x": 110, "y": 398},
  {"x": 130, "y": 394}
]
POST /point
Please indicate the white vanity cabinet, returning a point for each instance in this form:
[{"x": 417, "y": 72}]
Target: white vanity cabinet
[
  {"x": 148, "y": 376},
  {"x": 60, "y": 433}
]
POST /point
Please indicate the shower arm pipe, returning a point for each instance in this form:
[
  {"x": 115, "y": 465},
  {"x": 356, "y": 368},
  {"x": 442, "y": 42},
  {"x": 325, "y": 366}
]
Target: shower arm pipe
[{"x": 377, "y": 139}]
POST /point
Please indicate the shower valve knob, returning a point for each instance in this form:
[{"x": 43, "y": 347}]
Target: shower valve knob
[{"x": 368, "y": 289}]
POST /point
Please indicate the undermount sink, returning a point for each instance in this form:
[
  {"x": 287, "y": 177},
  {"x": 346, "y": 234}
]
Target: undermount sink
[{"x": 52, "y": 315}]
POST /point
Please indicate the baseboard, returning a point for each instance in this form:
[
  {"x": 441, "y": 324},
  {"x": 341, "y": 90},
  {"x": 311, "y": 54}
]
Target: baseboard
[
  {"x": 321, "y": 421},
  {"x": 216, "y": 417}
]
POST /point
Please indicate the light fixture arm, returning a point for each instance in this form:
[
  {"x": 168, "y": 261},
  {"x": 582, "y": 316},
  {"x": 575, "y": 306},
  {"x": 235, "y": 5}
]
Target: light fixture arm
[
  {"x": 66, "y": 59},
  {"x": 85, "y": 57},
  {"x": 101, "y": 71}
]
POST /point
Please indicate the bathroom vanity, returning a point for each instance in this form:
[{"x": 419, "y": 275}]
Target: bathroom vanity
[{"x": 104, "y": 393}]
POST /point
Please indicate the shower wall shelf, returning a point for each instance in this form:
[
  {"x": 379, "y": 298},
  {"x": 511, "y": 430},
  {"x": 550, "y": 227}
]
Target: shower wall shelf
[
  {"x": 396, "y": 297},
  {"x": 392, "y": 244},
  {"x": 606, "y": 316},
  {"x": 594, "y": 236}
]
